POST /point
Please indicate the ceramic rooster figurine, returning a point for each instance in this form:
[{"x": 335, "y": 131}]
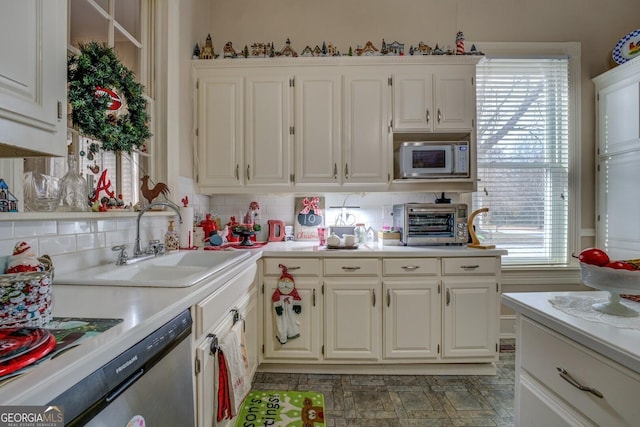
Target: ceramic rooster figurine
[{"x": 152, "y": 193}]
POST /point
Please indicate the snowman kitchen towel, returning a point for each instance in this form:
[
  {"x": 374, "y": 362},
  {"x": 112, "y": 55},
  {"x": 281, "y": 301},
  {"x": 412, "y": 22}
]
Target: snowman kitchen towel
[{"x": 308, "y": 217}]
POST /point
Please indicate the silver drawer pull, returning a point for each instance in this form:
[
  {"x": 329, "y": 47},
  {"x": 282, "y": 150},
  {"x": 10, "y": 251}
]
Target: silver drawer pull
[
  {"x": 350, "y": 268},
  {"x": 294, "y": 268},
  {"x": 469, "y": 267},
  {"x": 410, "y": 267},
  {"x": 568, "y": 378}
]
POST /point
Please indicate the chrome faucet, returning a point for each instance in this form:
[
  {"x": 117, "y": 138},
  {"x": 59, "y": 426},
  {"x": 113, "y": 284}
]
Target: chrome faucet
[{"x": 137, "y": 250}]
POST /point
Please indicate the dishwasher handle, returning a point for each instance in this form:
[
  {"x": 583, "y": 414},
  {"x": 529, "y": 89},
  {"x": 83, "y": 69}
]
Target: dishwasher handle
[{"x": 125, "y": 385}]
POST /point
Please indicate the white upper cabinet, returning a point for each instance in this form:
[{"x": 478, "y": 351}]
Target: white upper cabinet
[
  {"x": 220, "y": 148},
  {"x": 33, "y": 76},
  {"x": 323, "y": 124},
  {"x": 268, "y": 130},
  {"x": 434, "y": 98},
  {"x": 366, "y": 134},
  {"x": 318, "y": 116}
]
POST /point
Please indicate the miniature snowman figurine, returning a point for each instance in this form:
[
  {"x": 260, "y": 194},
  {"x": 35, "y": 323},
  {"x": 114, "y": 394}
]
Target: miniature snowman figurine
[
  {"x": 287, "y": 303},
  {"x": 23, "y": 260}
]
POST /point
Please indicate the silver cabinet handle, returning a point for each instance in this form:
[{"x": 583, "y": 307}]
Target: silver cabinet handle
[
  {"x": 248, "y": 166},
  {"x": 410, "y": 267},
  {"x": 335, "y": 171},
  {"x": 346, "y": 171},
  {"x": 314, "y": 297},
  {"x": 295, "y": 267},
  {"x": 448, "y": 296},
  {"x": 428, "y": 116},
  {"x": 237, "y": 172},
  {"x": 388, "y": 297},
  {"x": 439, "y": 115},
  {"x": 347, "y": 268},
  {"x": 469, "y": 267},
  {"x": 374, "y": 297},
  {"x": 568, "y": 378}
]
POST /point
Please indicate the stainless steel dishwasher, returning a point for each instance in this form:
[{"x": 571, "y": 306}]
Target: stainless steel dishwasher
[{"x": 150, "y": 384}]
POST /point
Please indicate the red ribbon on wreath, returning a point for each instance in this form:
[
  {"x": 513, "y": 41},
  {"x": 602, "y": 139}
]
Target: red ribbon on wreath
[{"x": 310, "y": 204}]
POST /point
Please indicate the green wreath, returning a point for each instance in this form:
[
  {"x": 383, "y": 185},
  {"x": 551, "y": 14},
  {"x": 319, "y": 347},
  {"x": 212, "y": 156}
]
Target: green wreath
[{"x": 97, "y": 72}]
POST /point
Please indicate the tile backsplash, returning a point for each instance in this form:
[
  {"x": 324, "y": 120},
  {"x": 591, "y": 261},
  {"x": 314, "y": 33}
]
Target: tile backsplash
[{"x": 88, "y": 238}]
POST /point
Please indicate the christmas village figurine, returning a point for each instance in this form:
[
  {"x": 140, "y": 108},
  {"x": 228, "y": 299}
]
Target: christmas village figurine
[
  {"x": 287, "y": 50},
  {"x": 196, "y": 52},
  {"x": 459, "y": 43},
  {"x": 368, "y": 50},
  {"x": 8, "y": 202},
  {"x": 287, "y": 303},
  {"x": 207, "y": 50},
  {"x": 228, "y": 51}
]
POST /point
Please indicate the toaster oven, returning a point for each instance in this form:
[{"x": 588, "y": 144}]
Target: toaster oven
[{"x": 431, "y": 223}]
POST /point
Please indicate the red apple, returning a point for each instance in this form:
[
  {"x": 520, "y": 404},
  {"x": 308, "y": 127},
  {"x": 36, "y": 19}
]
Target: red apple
[
  {"x": 620, "y": 265},
  {"x": 593, "y": 256}
]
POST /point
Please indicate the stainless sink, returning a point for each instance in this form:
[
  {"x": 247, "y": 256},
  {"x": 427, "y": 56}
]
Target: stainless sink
[{"x": 174, "y": 270}]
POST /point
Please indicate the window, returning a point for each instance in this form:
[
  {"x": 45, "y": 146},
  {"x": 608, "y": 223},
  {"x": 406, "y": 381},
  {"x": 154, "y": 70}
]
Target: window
[
  {"x": 120, "y": 24},
  {"x": 524, "y": 143}
]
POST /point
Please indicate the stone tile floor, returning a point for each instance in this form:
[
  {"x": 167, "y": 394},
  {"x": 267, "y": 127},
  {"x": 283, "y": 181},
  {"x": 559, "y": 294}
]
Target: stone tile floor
[{"x": 409, "y": 400}]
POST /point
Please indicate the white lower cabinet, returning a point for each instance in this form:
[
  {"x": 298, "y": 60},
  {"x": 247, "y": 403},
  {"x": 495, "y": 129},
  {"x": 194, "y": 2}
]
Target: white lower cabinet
[
  {"x": 372, "y": 310},
  {"x": 561, "y": 382},
  {"x": 306, "y": 275},
  {"x": 308, "y": 345},
  {"x": 471, "y": 307},
  {"x": 412, "y": 308},
  {"x": 352, "y": 318},
  {"x": 213, "y": 317}
]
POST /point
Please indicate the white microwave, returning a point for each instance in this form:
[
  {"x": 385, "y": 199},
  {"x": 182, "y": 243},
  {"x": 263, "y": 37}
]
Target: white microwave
[{"x": 431, "y": 159}]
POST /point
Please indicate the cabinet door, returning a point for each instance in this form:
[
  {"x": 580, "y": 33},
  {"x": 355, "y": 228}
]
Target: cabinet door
[
  {"x": 366, "y": 138},
  {"x": 220, "y": 131},
  {"x": 317, "y": 128},
  {"x": 268, "y": 147},
  {"x": 618, "y": 226},
  {"x": 619, "y": 118},
  {"x": 352, "y": 318},
  {"x": 470, "y": 317},
  {"x": 308, "y": 345},
  {"x": 455, "y": 100},
  {"x": 413, "y": 101},
  {"x": 411, "y": 318},
  {"x": 33, "y": 77}
]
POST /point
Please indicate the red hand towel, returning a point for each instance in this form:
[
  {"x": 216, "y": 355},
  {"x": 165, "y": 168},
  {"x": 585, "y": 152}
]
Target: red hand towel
[{"x": 224, "y": 399}]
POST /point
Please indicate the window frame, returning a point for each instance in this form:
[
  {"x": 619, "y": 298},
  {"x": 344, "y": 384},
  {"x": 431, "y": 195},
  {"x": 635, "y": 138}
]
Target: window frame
[{"x": 572, "y": 50}]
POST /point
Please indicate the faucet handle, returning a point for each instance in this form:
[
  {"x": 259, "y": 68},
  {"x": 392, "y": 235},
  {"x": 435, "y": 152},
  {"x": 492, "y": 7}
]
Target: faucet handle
[
  {"x": 122, "y": 256},
  {"x": 155, "y": 247}
]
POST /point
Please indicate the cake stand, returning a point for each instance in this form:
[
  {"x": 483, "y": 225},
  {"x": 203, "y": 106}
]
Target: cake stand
[{"x": 615, "y": 282}]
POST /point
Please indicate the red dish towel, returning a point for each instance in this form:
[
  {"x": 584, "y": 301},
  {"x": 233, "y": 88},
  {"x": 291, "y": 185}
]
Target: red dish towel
[{"x": 224, "y": 397}]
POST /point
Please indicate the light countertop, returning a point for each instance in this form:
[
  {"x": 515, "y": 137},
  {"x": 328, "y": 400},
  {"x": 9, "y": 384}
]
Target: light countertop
[
  {"x": 617, "y": 343},
  {"x": 144, "y": 309},
  {"x": 311, "y": 249}
]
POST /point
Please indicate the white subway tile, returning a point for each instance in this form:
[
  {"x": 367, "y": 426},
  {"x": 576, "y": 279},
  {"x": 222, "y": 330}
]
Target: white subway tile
[
  {"x": 6, "y": 229},
  {"x": 90, "y": 241},
  {"x": 105, "y": 225},
  {"x": 57, "y": 245},
  {"x": 34, "y": 228},
  {"x": 74, "y": 227}
]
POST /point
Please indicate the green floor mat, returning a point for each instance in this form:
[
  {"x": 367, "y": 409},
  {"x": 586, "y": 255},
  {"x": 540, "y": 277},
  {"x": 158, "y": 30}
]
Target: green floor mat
[{"x": 282, "y": 409}]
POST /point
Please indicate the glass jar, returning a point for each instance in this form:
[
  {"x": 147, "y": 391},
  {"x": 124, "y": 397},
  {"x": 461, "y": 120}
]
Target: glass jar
[{"x": 361, "y": 233}]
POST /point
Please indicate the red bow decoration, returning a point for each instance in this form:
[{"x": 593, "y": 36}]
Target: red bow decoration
[
  {"x": 185, "y": 201},
  {"x": 310, "y": 204}
]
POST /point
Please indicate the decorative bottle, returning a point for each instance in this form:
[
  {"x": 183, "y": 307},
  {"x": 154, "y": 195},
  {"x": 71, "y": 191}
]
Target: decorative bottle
[
  {"x": 74, "y": 191},
  {"x": 171, "y": 238}
]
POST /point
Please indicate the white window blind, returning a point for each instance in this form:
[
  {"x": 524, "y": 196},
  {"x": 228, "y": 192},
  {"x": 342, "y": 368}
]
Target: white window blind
[{"x": 523, "y": 159}]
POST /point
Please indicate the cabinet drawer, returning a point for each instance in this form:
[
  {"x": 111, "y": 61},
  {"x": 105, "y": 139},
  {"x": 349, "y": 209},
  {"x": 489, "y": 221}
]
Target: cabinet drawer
[
  {"x": 544, "y": 351},
  {"x": 351, "y": 266},
  {"x": 410, "y": 266},
  {"x": 478, "y": 265},
  {"x": 295, "y": 266}
]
